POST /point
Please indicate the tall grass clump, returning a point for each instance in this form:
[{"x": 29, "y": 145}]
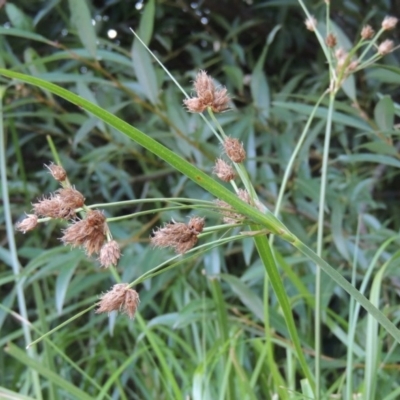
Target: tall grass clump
[{"x": 244, "y": 241}]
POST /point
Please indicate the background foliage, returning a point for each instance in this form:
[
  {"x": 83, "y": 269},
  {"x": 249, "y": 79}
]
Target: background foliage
[{"x": 201, "y": 329}]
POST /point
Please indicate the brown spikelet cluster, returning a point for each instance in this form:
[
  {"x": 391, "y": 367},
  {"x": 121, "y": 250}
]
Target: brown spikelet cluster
[
  {"x": 331, "y": 40},
  {"x": 223, "y": 170},
  {"x": 119, "y": 298},
  {"x": 386, "y": 47},
  {"x": 207, "y": 95},
  {"x": 311, "y": 23},
  {"x": 61, "y": 204},
  {"x": 181, "y": 237},
  {"x": 57, "y": 172},
  {"x": 28, "y": 223},
  {"x": 367, "y": 32},
  {"x": 234, "y": 150},
  {"x": 88, "y": 233},
  {"x": 109, "y": 254},
  {"x": 389, "y": 23}
]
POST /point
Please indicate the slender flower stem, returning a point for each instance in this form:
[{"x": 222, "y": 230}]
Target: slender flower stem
[
  {"x": 153, "y": 211},
  {"x": 371, "y": 44},
  {"x": 195, "y": 252},
  {"x": 177, "y": 200},
  {"x": 349, "y": 361},
  {"x": 320, "y": 240},
  {"x": 295, "y": 153},
  {"x": 320, "y": 40}
]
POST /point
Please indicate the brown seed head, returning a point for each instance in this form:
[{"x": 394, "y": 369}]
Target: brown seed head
[
  {"x": 207, "y": 95},
  {"x": 234, "y": 150},
  {"x": 119, "y": 298},
  {"x": 57, "y": 172},
  {"x": 311, "y": 23},
  {"x": 204, "y": 87},
  {"x": 109, "y": 254},
  {"x": 61, "y": 204},
  {"x": 367, "y": 32},
  {"x": 196, "y": 224},
  {"x": 389, "y": 23},
  {"x": 28, "y": 223},
  {"x": 385, "y": 47},
  {"x": 223, "y": 170},
  {"x": 331, "y": 40},
  {"x": 88, "y": 232},
  {"x": 71, "y": 199},
  {"x": 179, "y": 236}
]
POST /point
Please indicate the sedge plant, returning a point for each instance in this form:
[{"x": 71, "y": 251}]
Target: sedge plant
[{"x": 242, "y": 213}]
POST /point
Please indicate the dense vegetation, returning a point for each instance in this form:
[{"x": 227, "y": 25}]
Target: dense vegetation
[{"x": 244, "y": 314}]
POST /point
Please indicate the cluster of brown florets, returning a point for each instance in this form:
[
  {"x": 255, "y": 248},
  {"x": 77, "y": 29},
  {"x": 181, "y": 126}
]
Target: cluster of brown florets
[
  {"x": 181, "y": 237},
  {"x": 120, "y": 298},
  {"x": 90, "y": 233},
  {"x": 346, "y": 63},
  {"x": 178, "y": 235},
  {"x": 235, "y": 151},
  {"x": 208, "y": 95}
]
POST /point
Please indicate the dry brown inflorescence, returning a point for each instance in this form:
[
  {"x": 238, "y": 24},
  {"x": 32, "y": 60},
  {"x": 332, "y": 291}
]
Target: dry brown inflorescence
[
  {"x": 208, "y": 95},
  {"x": 181, "y": 237},
  {"x": 119, "y": 298}
]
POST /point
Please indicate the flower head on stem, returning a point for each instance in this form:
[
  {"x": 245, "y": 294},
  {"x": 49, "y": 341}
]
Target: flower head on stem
[
  {"x": 207, "y": 95},
  {"x": 119, "y": 298}
]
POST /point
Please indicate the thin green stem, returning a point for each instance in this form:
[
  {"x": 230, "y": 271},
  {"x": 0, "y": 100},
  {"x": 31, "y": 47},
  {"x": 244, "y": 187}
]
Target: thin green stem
[
  {"x": 153, "y": 211},
  {"x": 349, "y": 363},
  {"x": 320, "y": 241},
  {"x": 177, "y": 200},
  {"x": 195, "y": 252},
  {"x": 289, "y": 168},
  {"x": 320, "y": 40},
  {"x": 74, "y": 317},
  {"x": 371, "y": 44}
]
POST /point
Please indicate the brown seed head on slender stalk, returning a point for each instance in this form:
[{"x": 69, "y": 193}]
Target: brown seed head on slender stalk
[
  {"x": 196, "y": 225},
  {"x": 223, "y": 170},
  {"x": 386, "y": 47},
  {"x": 119, "y": 298},
  {"x": 331, "y": 40},
  {"x": 109, "y": 254},
  {"x": 234, "y": 150},
  {"x": 389, "y": 23},
  {"x": 207, "y": 95},
  {"x": 71, "y": 199},
  {"x": 57, "y": 172},
  {"x": 311, "y": 23},
  {"x": 88, "y": 232},
  {"x": 179, "y": 236},
  {"x": 50, "y": 207},
  {"x": 61, "y": 204},
  {"x": 367, "y": 32},
  {"x": 28, "y": 223}
]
